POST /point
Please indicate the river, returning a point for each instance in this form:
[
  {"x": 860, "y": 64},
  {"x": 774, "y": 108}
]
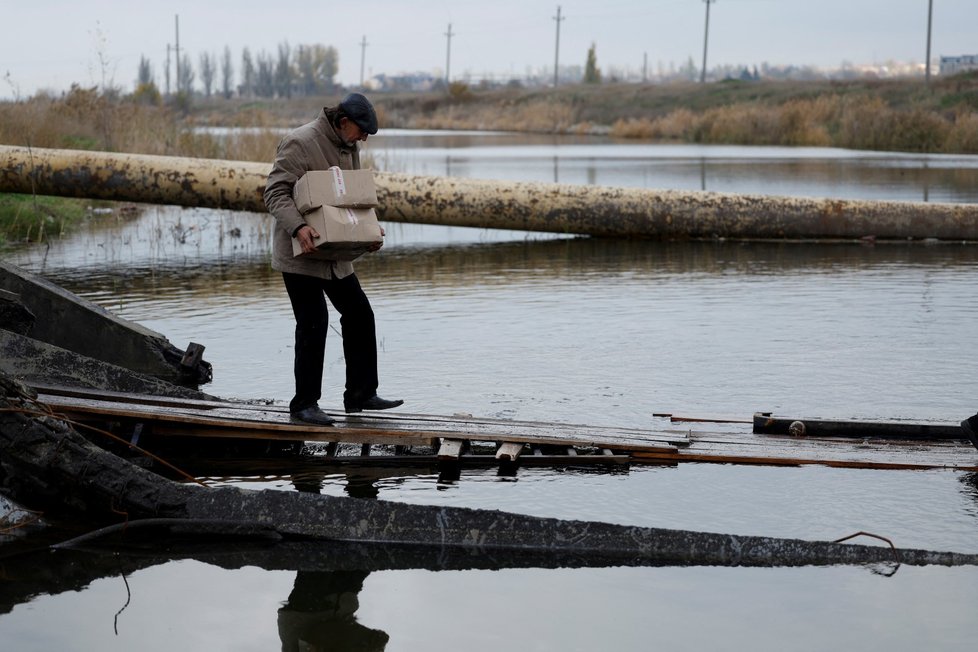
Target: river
[{"x": 544, "y": 327}]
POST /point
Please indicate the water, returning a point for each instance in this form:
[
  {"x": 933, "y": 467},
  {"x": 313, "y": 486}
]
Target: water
[{"x": 543, "y": 327}]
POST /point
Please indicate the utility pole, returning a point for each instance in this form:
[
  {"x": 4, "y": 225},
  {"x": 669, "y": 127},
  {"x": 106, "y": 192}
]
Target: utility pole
[
  {"x": 930, "y": 14},
  {"x": 176, "y": 21},
  {"x": 645, "y": 67},
  {"x": 706, "y": 38},
  {"x": 363, "y": 57},
  {"x": 448, "y": 57},
  {"x": 168, "y": 48},
  {"x": 557, "y": 47}
]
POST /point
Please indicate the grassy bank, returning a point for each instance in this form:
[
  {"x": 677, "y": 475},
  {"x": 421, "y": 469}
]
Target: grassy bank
[
  {"x": 890, "y": 115},
  {"x": 26, "y": 218}
]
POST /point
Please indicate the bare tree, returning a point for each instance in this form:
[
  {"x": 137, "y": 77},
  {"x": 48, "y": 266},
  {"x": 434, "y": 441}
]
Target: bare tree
[
  {"x": 248, "y": 74},
  {"x": 185, "y": 78},
  {"x": 283, "y": 70},
  {"x": 207, "y": 69},
  {"x": 306, "y": 72},
  {"x": 316, "y": 66},
  {"x": 265, "y": 82},
  {"x": 227, "y": 73},
  {"x": 145, "y": 77}
]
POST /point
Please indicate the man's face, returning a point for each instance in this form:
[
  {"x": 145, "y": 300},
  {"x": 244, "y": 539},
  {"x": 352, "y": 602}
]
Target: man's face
[{"x": 350, "y": 132}]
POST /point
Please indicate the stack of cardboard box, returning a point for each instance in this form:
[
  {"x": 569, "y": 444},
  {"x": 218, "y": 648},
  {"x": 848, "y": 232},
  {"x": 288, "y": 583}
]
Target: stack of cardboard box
[{"x": 339, "y": 205}]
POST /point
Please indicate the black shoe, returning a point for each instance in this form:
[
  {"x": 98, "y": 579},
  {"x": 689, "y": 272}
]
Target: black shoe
[
  {"x": 373, "y": 403},
  {"x": 970, "y": 427},
  {"x": 312, "y": 415}
]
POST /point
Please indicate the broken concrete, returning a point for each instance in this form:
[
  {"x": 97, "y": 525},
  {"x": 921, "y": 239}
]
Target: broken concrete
[
  {"x": 71, "y": 323},
  {"x": 44, "y": 365}
]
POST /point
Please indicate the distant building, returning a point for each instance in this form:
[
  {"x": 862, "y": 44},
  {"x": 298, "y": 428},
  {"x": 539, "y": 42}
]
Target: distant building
[{"x": 963, "y": 63}]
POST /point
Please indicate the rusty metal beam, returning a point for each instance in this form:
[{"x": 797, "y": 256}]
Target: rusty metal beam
[{"x": 560, "y": 208}]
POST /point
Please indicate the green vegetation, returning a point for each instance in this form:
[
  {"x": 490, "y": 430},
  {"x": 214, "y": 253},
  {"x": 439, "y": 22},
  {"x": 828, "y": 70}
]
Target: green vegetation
[
  {"x": 591, "y": 73},
  {"x": 24, "y": 218}
]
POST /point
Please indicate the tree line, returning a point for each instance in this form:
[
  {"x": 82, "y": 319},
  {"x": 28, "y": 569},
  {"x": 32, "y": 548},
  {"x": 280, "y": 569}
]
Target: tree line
[{"x": 290, "y": 71}]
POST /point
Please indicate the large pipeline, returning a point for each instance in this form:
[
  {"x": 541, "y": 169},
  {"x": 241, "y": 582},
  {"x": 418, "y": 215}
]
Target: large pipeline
[{"x": 560, "y": 208}]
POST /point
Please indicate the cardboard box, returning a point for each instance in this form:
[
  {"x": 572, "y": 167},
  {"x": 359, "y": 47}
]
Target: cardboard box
[
  {"x": 335, "y": 187},
  {"x": 344, "y": 233}
]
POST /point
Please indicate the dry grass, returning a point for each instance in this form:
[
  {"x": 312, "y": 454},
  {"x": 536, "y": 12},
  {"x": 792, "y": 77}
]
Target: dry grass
[
  {"x": 866, "y": 123},
  {"x": 83, "y": 119}
]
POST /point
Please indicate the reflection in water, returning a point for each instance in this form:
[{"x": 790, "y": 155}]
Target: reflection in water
[
  {"x": 320, "y": 613},
  {"x": 799, "y": 171}
]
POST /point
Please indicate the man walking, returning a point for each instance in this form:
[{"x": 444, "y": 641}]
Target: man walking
[{"x": 329, "y": 140}]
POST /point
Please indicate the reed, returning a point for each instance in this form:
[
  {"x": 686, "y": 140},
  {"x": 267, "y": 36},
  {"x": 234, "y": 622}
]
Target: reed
[
  {"x": 85, "y": 119},
  {"x": 866, "y": 123}
]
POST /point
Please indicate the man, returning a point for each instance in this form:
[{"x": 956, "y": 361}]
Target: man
[{"x": 329, "y": 140}]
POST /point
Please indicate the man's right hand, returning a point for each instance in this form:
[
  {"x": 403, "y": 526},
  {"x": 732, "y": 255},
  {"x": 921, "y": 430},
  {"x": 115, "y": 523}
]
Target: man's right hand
[{"x": 306, "y": 235}]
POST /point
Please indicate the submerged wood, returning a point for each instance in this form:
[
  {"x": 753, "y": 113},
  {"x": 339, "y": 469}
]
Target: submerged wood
[
  {"x": 559, "y": 208},
  {"x": 45, "y": 460},
  {"x": 767, "y": 424}
]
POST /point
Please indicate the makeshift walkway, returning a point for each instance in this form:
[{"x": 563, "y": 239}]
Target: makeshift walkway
[{"x": 398, "y": 437}]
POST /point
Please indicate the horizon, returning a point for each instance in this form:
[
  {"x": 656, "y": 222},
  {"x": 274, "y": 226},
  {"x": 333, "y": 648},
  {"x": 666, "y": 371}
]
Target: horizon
[{"x": 98, "y": 46}]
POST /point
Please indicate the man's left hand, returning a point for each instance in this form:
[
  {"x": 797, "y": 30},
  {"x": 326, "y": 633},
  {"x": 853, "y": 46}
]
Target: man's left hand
[{"x": 377, "y": 245}]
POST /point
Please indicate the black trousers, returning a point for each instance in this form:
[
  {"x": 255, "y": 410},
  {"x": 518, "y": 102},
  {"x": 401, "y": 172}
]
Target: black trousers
[{"x": 308, "y": 296}]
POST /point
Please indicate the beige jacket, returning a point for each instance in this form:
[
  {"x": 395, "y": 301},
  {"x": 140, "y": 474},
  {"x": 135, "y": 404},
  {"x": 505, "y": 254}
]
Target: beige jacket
[{"x": 313, "y": 146}]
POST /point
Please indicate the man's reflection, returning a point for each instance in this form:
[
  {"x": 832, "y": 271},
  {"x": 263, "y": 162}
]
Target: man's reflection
[{"x": 320, "y": 613}]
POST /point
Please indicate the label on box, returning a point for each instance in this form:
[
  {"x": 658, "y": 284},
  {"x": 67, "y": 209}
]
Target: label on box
[{"x": 338, "y": 184}]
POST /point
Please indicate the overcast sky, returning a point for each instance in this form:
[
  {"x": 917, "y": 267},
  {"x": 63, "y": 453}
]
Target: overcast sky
[{"x": 49, "y": 45}]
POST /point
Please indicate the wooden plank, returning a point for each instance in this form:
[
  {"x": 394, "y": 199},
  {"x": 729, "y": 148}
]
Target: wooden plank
[
  {"x": 770, "y": 425},
  {"x": 543, "y": 431},
  {"x": 323, "y": 435},
  {"x": 450, "y": 449},
  {"x": 192, "y": 356},
  {"x": 727, "y": 444},
  {"x": 675, "y": 418},
  {"x": 719, "y": 457},
  {"x": 275, "y": 423},
  {"x": 509, "y": 451}
]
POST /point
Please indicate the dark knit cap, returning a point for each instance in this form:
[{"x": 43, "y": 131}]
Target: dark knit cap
[{"x": 361, "y": 111}]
